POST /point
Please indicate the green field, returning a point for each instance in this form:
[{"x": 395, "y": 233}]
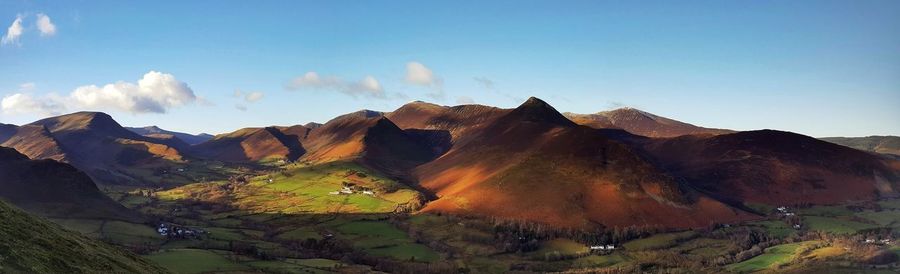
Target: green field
[
  {"x": 382, "y": 239},
  {"x": 659, "y": 241},
  {"x": 306, "y": 189},
  {"x": 834, "y": 225},
  {"x": 775, "y": 228},
  {"x": 194, "y": 261},
  {"x": 771, "y": 258},
  {"x": 599, "y": 261}
]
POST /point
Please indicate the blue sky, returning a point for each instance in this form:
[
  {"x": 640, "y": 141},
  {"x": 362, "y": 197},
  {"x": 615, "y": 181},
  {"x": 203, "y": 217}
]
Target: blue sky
[{"x": 822, "y": 68}]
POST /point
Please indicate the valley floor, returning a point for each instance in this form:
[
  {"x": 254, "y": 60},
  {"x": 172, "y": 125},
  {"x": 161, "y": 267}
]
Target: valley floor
[{"x": 343, "y": 217}]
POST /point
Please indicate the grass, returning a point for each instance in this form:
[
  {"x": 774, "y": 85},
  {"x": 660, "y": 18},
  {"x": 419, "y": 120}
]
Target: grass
[
  {"x": 890, "y": 204},
  {"x": 771, "y": 258},
  {"x": 886, "y": 218},
  {"x": 194, "y": 261},
  {"x": 659, "y": 241},
  {"x": 599, "y": 261},
  {"x": 305, "y": 190},
  {"x": 33, "y": 245},
  {"x": 834, "y": 225},
  {"x": 129, "y": 233},
  {"x": 778, "y": 229},
  {"x": 382, "y": 239},
  {"x": 826, "y": 211},
  {"x": 561, "y": 246}
]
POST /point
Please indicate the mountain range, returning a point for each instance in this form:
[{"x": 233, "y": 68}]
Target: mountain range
[{"x": 615, "y": 168}]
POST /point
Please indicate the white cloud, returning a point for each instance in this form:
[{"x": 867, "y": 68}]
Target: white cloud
[
  {"x": 44, "y": 24},
  {"x": 23, "y": 103},
  {"x": 240, "y": 107},
  {"x": 253, "y": 96},
  {"x": 156, "y": 92},
  {"x": 13, "y": 32},
  {"x": 420, "y": 75},
  {"x": 368, "y": 87},
  {"x": 27, "y": 86},
  {"x": 485, "y": 82},
  {"x": 465, "y": 100}
]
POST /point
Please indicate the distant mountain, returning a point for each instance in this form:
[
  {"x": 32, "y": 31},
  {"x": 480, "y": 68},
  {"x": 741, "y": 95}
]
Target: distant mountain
[
  {"x": 878, "y": 144},
  {"x": 371, "y": 139},
  {"x": 776, "y": 167},
  {"x": 255, "y": 144},
  {"x": 641, "y": 123},
  {"x": 32, "y": 245},
  {"x": 53, "y": 189},
  {"x": 34, "y": 141},
  {"x": 98, "y": 145},
  {"x": 531, "y": 163},
  {"x": 154, "y": 131}
]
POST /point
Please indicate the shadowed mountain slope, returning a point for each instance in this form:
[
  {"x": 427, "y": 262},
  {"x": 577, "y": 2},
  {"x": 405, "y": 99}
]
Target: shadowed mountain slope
[
  {"x": 775, "y": 167},
  {"x": 641, "y": 123},
  {"x": 54, "y": 189},
  {"x": 255, "y": 144},
  {"x": 32, "y": 245},
  {"x": 190, "y": 139},
  {"x": 533, "y": 164},
  {"x": 98, "y": 145},
  {"x": 372, "y": 140}
]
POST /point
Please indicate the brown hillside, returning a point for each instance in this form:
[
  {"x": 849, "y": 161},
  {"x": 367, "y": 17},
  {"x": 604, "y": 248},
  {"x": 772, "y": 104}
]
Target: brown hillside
[
  {"x": 255, "y": 144},
  {"x": 36, "y": 142},
  {"x": 641, "y": 123},
  {"x": 534, "y": 164},
  {"x": 54, "y": 189},
  {"x": 775, "y": 167},
  {"x": 98, "y": 145},
  {"x": 374, "y": 141}
]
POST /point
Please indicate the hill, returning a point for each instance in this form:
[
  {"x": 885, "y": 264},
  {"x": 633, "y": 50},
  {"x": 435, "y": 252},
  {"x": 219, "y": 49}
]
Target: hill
[
  {"x": 531, "y": 163},
  {"x": 372, "y": 140},
  {"x": 82, "y": 135},
  {"x": 255, "y": 144},
  {"x": 32, "y": 245},
  {"x": 878, "y": 144},
  {"x": 641, "y": 123},
  {"x": 53, "y": 189},
  {"x": 775, "y": 167},
  {"x": 34, "y": 141},
  {"x": 154, "y": 131}
]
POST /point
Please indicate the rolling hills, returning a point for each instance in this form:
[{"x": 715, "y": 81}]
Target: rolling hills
[
  {"x": 641, "y": 123},
  {"x": 154, "y": 131},
  {"x": 879, "y": 144}
]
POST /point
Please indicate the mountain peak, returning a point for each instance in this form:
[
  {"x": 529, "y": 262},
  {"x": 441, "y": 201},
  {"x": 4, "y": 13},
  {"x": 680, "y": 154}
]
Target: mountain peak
[{"x": 536, "y": 110}]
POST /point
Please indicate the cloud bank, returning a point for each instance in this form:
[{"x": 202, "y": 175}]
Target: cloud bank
[
  {"x": 155, "y": 92},
  {"x": 13, "y": 32},
  {"x": 368, "y": 87}
]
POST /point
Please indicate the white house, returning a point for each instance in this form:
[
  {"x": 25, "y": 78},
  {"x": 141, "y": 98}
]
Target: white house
[{"x": 369, "y": 192}]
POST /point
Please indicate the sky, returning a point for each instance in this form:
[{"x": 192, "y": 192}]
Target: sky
[{"x": 821, "y": 68}]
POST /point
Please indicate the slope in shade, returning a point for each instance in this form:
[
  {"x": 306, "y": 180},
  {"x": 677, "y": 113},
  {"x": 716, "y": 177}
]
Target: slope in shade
[
  {"x": 54, "y": 189},
  {"x": 255, "y": 144},
  {"x": 189, "y": 139},
  {"x": 533, "y": 164},
  {"x": 776, "y": 167},
  {"x": 642, "y": 123},
  {"x": 98, "y": 145},
  {"x": 31, "y": 245}
]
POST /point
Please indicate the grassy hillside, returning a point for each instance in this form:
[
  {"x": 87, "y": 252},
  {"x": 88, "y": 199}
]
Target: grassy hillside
[{"x": 32, "y": 245}]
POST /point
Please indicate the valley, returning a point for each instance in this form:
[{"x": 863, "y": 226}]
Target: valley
[{"x": 456, "y": 189}]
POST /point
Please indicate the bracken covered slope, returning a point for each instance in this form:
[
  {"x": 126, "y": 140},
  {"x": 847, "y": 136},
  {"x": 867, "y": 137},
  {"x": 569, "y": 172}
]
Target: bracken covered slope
[
  {"x": 641, "y": 123},
  {"x": 32, "y": 245},
  {"x": 533, "y": 164}
]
